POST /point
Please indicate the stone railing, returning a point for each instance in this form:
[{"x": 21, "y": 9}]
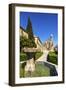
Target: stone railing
[{"x": 31, "y": 50}]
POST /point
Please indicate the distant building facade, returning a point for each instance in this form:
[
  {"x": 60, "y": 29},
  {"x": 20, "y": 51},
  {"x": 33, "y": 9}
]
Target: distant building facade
[
  {"x": 48, "y": 45},
  {"x": 38, "y": 43}
]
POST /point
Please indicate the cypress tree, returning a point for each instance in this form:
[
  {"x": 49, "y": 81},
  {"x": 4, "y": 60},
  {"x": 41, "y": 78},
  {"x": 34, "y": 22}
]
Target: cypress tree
[
  {"x": 30, "y": 34},
  {"x": 29, "y": 29}
]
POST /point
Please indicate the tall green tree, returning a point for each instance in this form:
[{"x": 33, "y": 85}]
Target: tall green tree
[
  {"x": 30, "y": 33},
  {"x": 29, "y": 29}
]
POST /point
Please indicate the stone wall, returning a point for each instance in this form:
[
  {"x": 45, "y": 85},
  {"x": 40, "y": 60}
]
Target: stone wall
[
  {"x": 38, "y": 43},
  {"x": 23, "y": 33}
]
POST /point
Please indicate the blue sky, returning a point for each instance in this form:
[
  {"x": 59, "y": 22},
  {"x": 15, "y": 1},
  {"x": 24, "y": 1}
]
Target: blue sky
[{"x": 43, "y": 24}]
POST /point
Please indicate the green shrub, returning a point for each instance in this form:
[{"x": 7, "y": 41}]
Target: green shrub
[
  {"x": 38, "y": 54},
  {"x": 23, "y": 56},
  {"x": 52, "y": 57},
  {"x": 24, "y": 42}
]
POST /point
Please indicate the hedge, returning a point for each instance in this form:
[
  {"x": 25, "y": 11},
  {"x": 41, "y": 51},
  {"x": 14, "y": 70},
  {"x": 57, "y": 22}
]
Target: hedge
[
  {"x": 38, "y": 54},
  {"x": 52, "y": 57},
  {"x": 23, "y": 56}
]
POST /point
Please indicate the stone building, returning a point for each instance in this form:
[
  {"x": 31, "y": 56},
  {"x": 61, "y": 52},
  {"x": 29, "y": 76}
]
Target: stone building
[
  {"x": 37, "y": 39},
  {"x": 22, "y": 32},
  {"x": 38, "y": 43}
]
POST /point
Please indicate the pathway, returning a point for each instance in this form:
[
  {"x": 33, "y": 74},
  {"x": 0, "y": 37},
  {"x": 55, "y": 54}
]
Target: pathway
[{"x": 43, "y": 57}]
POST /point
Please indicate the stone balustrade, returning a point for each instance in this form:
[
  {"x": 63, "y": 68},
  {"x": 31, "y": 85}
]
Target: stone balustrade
[{"x": 31, "y": 49}]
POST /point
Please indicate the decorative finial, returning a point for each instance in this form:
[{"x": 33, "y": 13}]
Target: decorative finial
[{"x": 51, "y": 37}]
